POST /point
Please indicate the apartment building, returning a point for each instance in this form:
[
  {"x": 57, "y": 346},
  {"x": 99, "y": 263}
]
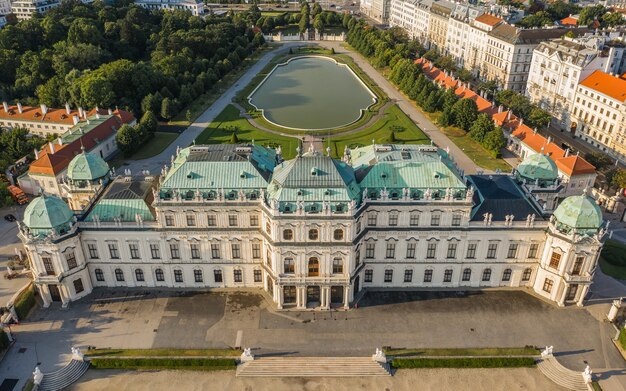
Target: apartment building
[
  {"x": 467, "y": 40},
  {"x": 599, "y": 112},
  {"x": 24, "y": 9},
  {"x": 196, "y": 7},
  {"x": 440, "y": 13},
  {"x": 411, "y": 15}
]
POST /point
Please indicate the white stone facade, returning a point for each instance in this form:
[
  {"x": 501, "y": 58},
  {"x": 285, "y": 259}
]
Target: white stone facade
[{"x": 195, "y": 7}]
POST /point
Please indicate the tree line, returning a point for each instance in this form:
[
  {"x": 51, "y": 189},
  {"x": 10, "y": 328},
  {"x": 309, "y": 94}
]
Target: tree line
[{"x": 541, "y": 15}]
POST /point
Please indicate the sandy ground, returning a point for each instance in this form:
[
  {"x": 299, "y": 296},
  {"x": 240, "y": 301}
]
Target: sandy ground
[{"x": 423, "y": 380}]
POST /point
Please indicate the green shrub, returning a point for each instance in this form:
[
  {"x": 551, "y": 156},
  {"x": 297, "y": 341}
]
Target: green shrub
[
  {"x": 614, "y": 253},
  {"x": 4, "y": 340},
  {"x": 622, "y": 338},
  {"x": 466, "y": 362},
  {"x": 206, "y": 364},
  {"x": 25, "y": 302}
]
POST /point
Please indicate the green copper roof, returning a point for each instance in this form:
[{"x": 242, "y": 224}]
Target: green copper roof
[
  {"x": 580, "y": 213},
  {"x": 87, "y": 166},
  {"x": 124, "y": 200},
  {"x": 538, "y": 167},
  {"x": 405, "y": 166},
  {"x": 45, "y": 213}
]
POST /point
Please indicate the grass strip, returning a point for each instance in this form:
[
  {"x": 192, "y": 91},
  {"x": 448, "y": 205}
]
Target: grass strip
[
  {"x": 465, "y": 362},
  {"x": 204, "y": 364},
  {"x": 163, "y": 352},
  {"x": 525, "y": 351}
]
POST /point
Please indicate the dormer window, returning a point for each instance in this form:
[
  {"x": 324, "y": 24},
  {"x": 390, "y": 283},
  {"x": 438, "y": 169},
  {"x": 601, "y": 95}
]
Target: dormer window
[{"x": 314, "y": 171}]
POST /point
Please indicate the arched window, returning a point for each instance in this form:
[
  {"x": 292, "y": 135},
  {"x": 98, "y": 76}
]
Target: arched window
[
  {"x": 119, "y": 275},
  {"x": 506, "y": 275},
  {"x": 99, "y": 275},
  {"x": 467, "y": 274},
  {"x": 139, "y": 275},
  {"x": 314, "y": 234},
  {"x": 527, "y": 273},
  {"x": 289, "y": 266},
  {"x": 158, "y": 273},
  {"x": 314, "y": 267},
  {"x": 486, "y": 274},
  {"x": 337, "y": 266},
  {"x": 288, "y": 234},
  {"x": 338, "y": 234}
]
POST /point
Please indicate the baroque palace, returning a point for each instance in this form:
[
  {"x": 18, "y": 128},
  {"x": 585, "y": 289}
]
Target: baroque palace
[{"x": 313, "y": 231}]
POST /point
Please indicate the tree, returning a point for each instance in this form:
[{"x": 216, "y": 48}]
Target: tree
[
  {"x": 446, "y": 118},
  {"x": 149, "y": 122},
  {"x": 317, "y": 10},
  {"x": 96, "y": 91},
  {"x": 494, "y": 141},
  {"x": 167, "y": 108},
  {"x": 539, "y": 118},
  {"x": 465, "y": 113},
  {"x": 126, "y": 139},
  {"x": 188, "y": 116},
  {"x": 481, "y": 127},
  {"x": 318, "y": 23},
  {"x": 589, "y": 14},
  {"x": 598, "y": 159},
  {"x": 233, "y": 138},
  {"x": 303, "y": 25},
  {"x": 464, "y": 75},
  {"x": 619, "y": 178},
  {"x": 431, "y": 103}
]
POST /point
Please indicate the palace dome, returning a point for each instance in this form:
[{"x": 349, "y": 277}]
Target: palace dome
[
  {"x": 47, "y": 213},
  {"x": 538, "y": 167},
  {"x": 580, "y": 213},
  {"x": 87, "y": 167}
]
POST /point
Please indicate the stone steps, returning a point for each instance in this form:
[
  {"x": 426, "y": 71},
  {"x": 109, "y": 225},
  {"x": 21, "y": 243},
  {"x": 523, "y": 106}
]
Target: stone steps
[
  {"x": 64, "y": 377},
  {"x": 313, "y": 367},
  {"x": 560, "y": 375}
]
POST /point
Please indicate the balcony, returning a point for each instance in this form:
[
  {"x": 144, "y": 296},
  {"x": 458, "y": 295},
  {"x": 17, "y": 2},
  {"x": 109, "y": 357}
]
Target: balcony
[
  {"x": 583, "y": 277},
  {"x": 44, "y": 278}
]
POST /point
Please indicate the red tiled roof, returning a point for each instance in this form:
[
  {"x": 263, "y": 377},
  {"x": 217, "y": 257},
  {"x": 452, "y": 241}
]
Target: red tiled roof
[
  {"x": 489, "y": 20},
  {"x": 613, "y": 86},
  {"x": 575, "y": 165},
  {"x": 569, "y": 21},
  {"x": 55, "y": 116}
]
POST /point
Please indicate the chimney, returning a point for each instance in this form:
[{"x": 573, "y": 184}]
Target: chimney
[
  {"x": 36, "y": 154},
  {"x": 51, "y": 145},
  {"x": 110, "y": 111},
  {"x": 80, "y": 112},
  {"x": 97, "y": 115},
  {"x": 500, "y": 108},
  {"x": 44, "y": 109},
  {"x": 60, "y": 141},
  {"x": 521, "y": 121},
  {"x": 88, "y": 123},
  {"x": 567, "y": 152},
  {"x": 67, "y": 108},
  {"x": 6, "y": 106},
  {"x": 19, "y": 107},
  {"x": 75, "y": 119}
]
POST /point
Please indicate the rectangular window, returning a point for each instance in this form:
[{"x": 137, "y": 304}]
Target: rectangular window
[
  {"x": 370, "y": 250},
  {"x": 191, "y": 220},
  {"x": 254, "y": 220},
  {"x": 578, "y": 266},
  {"x": 217, "y": 275},
  {"x": 491, "y": 250},
  {"x": 393, "y": 219},
  {"x": 195, "y": 250},
  {"x": 456, "y": 219},
  {"x": 258, "y": 277},
  {"x": 93, "y": 250},
  {"x": 435, "y": 219},
  {"x": 369, "y": 275},
  {"x": 447, "y": 275},
  {"x": 155, "y": 251},
  {"x": 169, "y": 220},
  {"x": 512, "y": 253},
  {"x": 414, "y": 219},
  {"x": 371, "y": 219},
  {"x": 113, "y": 251},
  {"x": 410, "y": 250},
  {"x": 408, "y": 275},
  {"x": 211, "y": 220},
  {"x": 197, "y": 275},
  {"x": 555, "y": 259},
  {"x": 256, "y": 250},
  {"x": 532, "y": 251},
  {"x": 78, "y": 285},
  {"x": 47, "y": 264},
  {"x": 451, "y": 250},
  {"x": 215, "y": 251},
  {"x": 238, "y": 276},
  {"x": 70, "y": 258},
  {"x": 547, "y": 285},
  {"x": 232, "y": 220},
  {"x": 431, "y": 250},
  {"x": 388, "y": 275},
  {"x": 178, "y": 275},
  {"x": 236, "y": 250},
  {"x": 174, "y": 251},
  {"x": 391, "y": 250},
  {"x": 428, "y": 275},
  {"x": 134, "y": 250},
  {"x": 471, "y": 250}
]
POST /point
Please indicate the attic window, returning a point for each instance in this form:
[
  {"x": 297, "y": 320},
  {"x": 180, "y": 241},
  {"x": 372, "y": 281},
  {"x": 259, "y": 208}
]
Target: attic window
[
  {"x": 383, "y": 175},
  {"x": 190, "y": 175},
  {"x": 300, "y": 192},
  {"x": 436, "y": 175},
  {"x": 314, "y": 171},
  {"x": 327, "y": 192},
  {"x": 242, "y": 174}
]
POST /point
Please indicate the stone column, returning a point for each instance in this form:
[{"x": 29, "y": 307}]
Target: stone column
[
  {"x": 346, "y": 297},
  {"x": 583, "y": 293},
  {"x": 44, "y": 292},
  {"x": 279, "y": 301},
  {"x": 301, "y": 297},
  {"x": 561, "y": 300},
  {"x": 325, "y": 302}
]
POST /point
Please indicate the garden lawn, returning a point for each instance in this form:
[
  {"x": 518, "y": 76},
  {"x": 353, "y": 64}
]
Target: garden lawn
[
  {"x": 526, "y": 351},
  {"x": 155, "y": 145},
  {"x": 613, "y": 259},
  {"x": 406, "y": 132},
  {"x": 163, "y": 352},
  {"x": 220, "y": 132}
]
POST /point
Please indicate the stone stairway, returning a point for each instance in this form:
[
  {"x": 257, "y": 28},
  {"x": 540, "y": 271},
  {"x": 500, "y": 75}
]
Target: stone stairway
[
  {"x": 560, "y": 375},
  {"x": 64, "y": 377},
  {"x": 313, "y": 367}
]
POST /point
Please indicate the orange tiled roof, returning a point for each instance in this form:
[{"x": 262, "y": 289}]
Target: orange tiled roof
[
  {"x": 575, "y": 165},
  {"x": 32, "y": 114},
  {"x": 569, "y": 21},
  {"x": 612, "y": 86},
  {"x": 489, "y": 20}
]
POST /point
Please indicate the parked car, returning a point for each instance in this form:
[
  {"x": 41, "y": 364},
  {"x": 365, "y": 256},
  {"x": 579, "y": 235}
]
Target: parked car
[{"x": 10, "y": 218}]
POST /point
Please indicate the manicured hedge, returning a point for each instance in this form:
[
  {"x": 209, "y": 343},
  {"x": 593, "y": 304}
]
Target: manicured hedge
[
  {"x": 4, "y": 340},
  {"x": 25, "y": 302},
  {"x": 465, "y": 362},
  {"x": 622, "y": 338},
  {"x": 207, "y": 364}
]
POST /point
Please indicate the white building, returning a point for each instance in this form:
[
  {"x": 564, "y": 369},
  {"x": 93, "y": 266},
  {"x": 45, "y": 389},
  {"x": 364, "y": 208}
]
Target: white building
[
  {"x": 5, "y": 7},
  {"x": 559, "y": 65},
  {"x": 24, "y": 9},
  {"x": 467, "y": 40},
  {"x": 313, "y": 231},
  {"x": 598, "y": 114},
  {"x": 196, "y": 7}
]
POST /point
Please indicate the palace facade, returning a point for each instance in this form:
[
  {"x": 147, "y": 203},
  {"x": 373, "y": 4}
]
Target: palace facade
[{"x": 313, "y": 231}]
